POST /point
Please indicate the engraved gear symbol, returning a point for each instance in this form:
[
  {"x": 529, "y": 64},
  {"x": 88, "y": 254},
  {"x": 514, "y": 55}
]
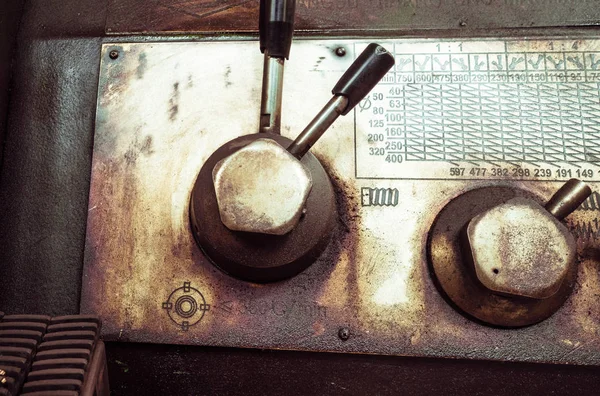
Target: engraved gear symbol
[{"x": 186, "y": 306}]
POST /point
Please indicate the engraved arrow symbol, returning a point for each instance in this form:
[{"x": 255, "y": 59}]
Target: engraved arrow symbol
[
  {"x": 576, "y": 61},
  {"x": 444, "y": 65},
  {"x": 515, "y": 62},
  {"x": 478, "y": 65},
  {"x": 461, "y": 63},
  {"x": 595, "y": 63},
  {"x": 536, "y": 64},
  {"x": 423, "y": 64},
  {"x": 498, "y": 63},
  {"x": 558, "y": 64},
  {"x": 403, "y": 62}
]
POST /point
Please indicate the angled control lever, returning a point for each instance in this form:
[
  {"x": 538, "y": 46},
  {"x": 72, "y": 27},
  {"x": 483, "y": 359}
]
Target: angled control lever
[
  {"x": 263, "y": 208},
  {"x": 285, "y": 183},
  {"x": 362, "y": 76}
]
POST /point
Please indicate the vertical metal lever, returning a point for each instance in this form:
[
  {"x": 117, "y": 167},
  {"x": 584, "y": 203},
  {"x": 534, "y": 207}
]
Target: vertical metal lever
[{"x": 276, "y": 26}]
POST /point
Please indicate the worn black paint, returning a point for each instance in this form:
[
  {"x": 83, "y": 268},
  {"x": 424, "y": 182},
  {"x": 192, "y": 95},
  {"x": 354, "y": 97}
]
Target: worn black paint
[{"x": 183, "y": 370}]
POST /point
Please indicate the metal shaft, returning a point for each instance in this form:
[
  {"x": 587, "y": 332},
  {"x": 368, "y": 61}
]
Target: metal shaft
[
  {"x": 309, "y": 136},
  {"x": 568, "y": 198},
  {"x": 272, "y": 87}
]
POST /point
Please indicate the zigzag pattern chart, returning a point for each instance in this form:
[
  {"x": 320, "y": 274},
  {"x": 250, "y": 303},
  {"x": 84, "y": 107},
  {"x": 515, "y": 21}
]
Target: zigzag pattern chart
[{"x": 535, "y": 123}]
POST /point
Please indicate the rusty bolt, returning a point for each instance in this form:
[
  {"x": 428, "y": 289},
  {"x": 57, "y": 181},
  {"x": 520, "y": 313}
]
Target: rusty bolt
[
  {"x": 344, "y": 334},
  {"x": 521, "y": 249},
  {"x": 114, "y": 54},
  {"x": 261, "y": 188},
  {"x": 340, "y": 51}
]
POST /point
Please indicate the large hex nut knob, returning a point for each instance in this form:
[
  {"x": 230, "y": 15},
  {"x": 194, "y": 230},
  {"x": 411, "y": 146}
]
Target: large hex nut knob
[
  {"x": 261, "y": 188},
  {"x": 520, "y": 249}
]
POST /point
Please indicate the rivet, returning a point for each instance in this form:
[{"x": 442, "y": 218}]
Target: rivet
[{"x": 340, "y": 51}]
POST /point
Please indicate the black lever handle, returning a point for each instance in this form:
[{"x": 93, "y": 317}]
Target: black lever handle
[
  {"x": 276, "y": 27},
  {"x": 362, "y": 76}
]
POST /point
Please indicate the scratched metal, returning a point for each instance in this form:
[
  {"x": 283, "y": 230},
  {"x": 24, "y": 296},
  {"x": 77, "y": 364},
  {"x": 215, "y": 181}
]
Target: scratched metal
[
  {"x": 163, "y": 108},
  {"x": 148, "y": 16}
]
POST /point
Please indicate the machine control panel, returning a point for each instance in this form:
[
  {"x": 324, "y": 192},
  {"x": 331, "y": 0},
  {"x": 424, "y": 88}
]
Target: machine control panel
[{"x": 457, "y": 136}]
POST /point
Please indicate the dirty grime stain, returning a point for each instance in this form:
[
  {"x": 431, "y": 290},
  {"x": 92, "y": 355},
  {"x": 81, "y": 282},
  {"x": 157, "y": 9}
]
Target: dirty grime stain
[
  {"x": 174, "y": 102},
  {"x": 142, "y": 66}
]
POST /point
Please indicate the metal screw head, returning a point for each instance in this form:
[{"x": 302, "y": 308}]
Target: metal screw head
[
  {"x": 344, "y": 334},
  {"x": 261, "y": 188},
  {"x": 520, "y": 249},
  {"x": 114, "y": 54},
  {"x": 340, "y": 51}
]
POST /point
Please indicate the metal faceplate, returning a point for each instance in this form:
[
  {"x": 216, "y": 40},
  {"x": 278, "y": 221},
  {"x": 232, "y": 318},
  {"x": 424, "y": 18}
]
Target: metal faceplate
[{"x": 451, "y": 117}]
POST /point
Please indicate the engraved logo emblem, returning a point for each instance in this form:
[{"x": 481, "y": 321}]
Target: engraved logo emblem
[{"x": 186, "y": 306}]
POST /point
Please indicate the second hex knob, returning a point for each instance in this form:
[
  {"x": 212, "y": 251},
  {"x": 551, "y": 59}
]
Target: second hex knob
[{"x": 503, "y": 258}]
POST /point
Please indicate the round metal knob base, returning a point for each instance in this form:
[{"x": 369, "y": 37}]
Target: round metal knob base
[
  {"x": 256, "y": 257},
  {"x": 454, "y": 275}
]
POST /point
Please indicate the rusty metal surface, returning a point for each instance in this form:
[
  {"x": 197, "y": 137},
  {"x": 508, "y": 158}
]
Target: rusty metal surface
[
  {"x": 520, "y": 249},
  {"x": 163, "y": 109},
  {"x": 455, "y": 277},
  {"x": 142, "y": 16}
]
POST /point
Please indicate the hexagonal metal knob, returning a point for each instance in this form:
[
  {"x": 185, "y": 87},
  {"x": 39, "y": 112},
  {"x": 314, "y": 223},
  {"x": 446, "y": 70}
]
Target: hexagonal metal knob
[
  {"x": 261, "y": 188},
  {"x": 520, "y": 249}
]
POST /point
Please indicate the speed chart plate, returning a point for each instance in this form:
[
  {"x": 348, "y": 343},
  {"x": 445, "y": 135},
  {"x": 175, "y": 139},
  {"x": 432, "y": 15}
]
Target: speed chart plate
[{"x": 527, "y": 110}]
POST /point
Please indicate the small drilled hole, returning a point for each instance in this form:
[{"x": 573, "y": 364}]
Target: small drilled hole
[{"x": 496, "y": 271}]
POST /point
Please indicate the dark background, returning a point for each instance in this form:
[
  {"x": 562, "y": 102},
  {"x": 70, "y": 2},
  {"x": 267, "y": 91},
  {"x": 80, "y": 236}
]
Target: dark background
[{"x": 49, "y": 61}]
